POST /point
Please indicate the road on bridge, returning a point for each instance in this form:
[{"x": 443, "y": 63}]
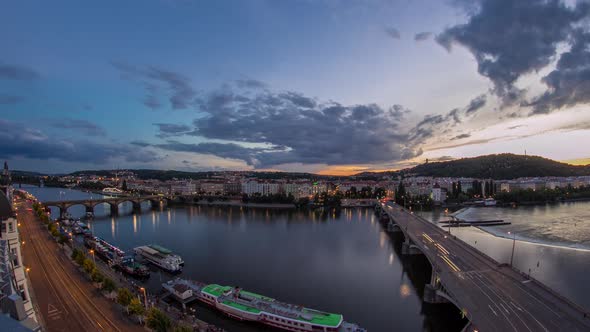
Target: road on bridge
[
  {"x": 494, "y": 297},
  {"x": 63, "y": 298}
]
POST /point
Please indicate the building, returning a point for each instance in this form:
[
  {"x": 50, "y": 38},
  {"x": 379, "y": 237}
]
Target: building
[
  {"x": 438, "y": 194},
  {"x": 216, "y": 187},
  {"x": 15, "y": 300},
  {"x": 263, "y": 188}
]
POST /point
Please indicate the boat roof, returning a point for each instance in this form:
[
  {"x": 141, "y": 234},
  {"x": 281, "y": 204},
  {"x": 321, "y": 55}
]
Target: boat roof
[
  {"x": 256, "y": 303},
  {"x": 160, "y": 249}
]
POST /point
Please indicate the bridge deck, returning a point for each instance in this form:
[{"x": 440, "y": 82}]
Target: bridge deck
[
  {"x": 494, "y": 297},
  {"x": 103, "y": 200}
]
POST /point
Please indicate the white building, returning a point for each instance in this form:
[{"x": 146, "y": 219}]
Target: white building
[
  {"x": 15, "y": 300},
  {"x": 438, "y": 194},
  {"x": 263, "y": 188}
]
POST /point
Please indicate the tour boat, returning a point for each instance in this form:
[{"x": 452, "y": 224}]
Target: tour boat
[
  {"x": 112, "y": 192},
  {"x": 161, "y": 257},
  {"x": 248, "y": 306}
]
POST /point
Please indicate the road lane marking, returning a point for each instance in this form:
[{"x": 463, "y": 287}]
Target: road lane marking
[
  {"x": 503, "y": 307},
  {"x": 492, "y": 309},
  {"x": 486, "y": 284}
]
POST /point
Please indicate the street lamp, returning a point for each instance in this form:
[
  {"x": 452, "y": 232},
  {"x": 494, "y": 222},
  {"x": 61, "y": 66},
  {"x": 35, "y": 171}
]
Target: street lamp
[
  {"x": 144, "y": 297},
  {"x": 513, "y": 245},
  {"x": 92, "y": 253}
]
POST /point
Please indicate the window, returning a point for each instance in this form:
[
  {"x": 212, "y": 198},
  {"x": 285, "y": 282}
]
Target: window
[
  {"x": 10, "y": 227},
  {"x": 21, "y": 289},
  {"x": 14, "y": 256}
]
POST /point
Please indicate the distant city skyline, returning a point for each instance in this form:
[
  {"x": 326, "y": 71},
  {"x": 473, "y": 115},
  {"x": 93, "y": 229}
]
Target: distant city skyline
[{"x": 328, "y": 87}]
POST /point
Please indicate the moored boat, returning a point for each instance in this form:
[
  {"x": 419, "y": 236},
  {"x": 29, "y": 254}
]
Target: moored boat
[
  {"x": 128, "y": 265},
  {"x": 248, "y": 306},
  {"x": 103, "y": 249},
  {"x": 161, "y": 257}
]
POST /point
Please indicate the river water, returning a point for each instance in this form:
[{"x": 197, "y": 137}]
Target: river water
[{"x": 340, "y": 262}]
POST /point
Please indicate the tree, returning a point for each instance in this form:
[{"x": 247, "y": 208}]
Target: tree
[
  {"x": 96, "y": 276},
  {"x": 124, "y": 296},
  {"x": 157, "y": 320},
  {"x": 108, "y": 285},
  {"x": 75, "y": 253},
  {"x": 136, "y": 307},
  {"x": 124, "y": 186},
  {"x": 88, "y": 265},
  {"x": 182, "y": 328},
  {"x": 400, "y": 194},
  {"x": 80, "y": 258}
]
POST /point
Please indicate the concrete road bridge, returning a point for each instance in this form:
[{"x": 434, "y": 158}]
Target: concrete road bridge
[
  {"x": 493, "y": 296},
  {"x": 113, "y": 202}
]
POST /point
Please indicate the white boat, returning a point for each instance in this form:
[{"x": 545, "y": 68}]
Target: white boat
[
  {"x": 161, "y": 257},
  {"x": 112, "y": 192}
]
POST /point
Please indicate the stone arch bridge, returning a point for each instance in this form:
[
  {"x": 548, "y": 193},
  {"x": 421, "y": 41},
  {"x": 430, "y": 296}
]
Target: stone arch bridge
[{"x": 113, "y": 202}]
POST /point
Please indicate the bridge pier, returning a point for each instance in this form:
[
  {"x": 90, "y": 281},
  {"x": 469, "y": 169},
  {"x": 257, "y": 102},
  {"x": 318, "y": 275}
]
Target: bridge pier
[
  {"x": 136, "y": 206},
  {"x": 114, "y": 209},
  {"x": 62, "y": 211},
  {"x": 89, "y": 209},
  {"x": 393, "y": 227},
  {"x": 433, "y": 292},
  {"x": 154, "y": 203},
  {"x": 409, "y": 248}
]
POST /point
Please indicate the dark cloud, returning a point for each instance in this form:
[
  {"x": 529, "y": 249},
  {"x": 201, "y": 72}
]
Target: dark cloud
[
  {"x": 171, "y": 129},
  {"x": 569, "y": 83},
  {"x": 422, "y": 36},
  {"x": 250, "y": 84},
  {"x": 266, "y": 129},
  {"x": 82, "y": 126},
  {"x": 176, "y": 87},
  {"x": 16, "y": 72},
  {"x": 224, "y": 150},
  {"x": 393, "y": 33},
  {"x": 510, "y": 38},
  {"x": 18, "y": 140},
  {"x": 433, "y": 124},
  {"x": 476, "y": 104},
  {"x": 462, "y": 136},
  {"x": 10, "y": 99}
]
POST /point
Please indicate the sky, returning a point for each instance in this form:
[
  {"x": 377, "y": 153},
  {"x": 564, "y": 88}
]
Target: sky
[{"x": 323, "y": 86}]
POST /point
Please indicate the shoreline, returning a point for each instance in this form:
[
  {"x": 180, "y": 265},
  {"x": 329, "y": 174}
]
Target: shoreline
[{"x": 558, "y": 245}]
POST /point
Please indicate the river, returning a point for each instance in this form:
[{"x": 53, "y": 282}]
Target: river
[{"x": 340, "y": 262}]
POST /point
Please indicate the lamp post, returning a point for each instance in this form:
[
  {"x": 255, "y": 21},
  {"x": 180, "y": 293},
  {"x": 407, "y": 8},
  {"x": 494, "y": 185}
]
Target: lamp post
[
  {"x": 144, "y": 297},
  {"x": 93, "y": 258},
  {"x": 513, "y": 245}
]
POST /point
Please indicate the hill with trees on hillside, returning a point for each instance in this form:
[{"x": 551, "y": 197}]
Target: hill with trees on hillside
[{"x": 504, "y": 166}]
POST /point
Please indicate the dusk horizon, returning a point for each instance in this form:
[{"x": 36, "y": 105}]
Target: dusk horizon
[{"x": 328, "y": 172}]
